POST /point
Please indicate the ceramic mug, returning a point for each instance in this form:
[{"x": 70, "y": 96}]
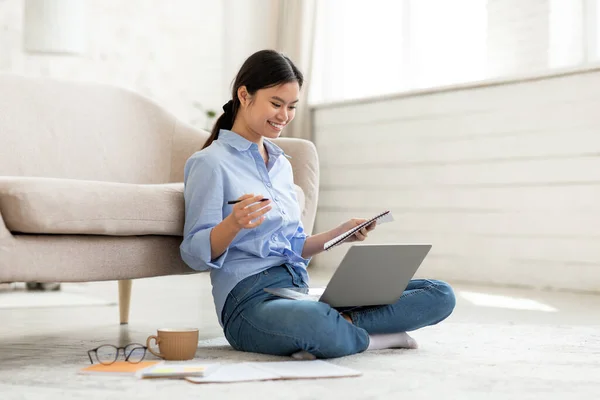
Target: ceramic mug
[{"x": 174, "y": 344}]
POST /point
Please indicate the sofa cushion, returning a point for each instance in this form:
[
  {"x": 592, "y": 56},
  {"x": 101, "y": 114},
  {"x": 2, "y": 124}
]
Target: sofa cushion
[{"x": 69, "y": 206}]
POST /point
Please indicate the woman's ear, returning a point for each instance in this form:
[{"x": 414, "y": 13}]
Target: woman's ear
[{"x": 243, "y": 96}]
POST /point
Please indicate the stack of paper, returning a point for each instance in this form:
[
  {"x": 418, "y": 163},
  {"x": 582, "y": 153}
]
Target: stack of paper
[
  {"x": 261, "y": 371},
  {"x": 171, "y": 369},
  {"x": 197, "y": 371}
]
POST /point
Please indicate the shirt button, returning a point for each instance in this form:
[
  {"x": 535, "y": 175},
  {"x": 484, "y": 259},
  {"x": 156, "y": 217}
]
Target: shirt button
[
  {"x": 283, "y": 212},
  {"x": 274, "y": 238},
  {"x": 268, "y": 184}
]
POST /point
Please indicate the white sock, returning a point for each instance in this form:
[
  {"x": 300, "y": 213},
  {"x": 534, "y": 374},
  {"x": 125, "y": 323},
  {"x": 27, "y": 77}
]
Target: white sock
[
  {"x": 376, "y": 342},
  {"x": 392, "y": 340},
  {"x": 303, "y": 355}
]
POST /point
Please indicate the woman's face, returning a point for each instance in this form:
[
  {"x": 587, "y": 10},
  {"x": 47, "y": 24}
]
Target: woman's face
[{"x": 270, "y": 110}]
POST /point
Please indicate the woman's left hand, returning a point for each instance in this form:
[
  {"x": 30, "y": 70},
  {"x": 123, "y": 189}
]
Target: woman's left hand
[{"x": 361, "y": 234}]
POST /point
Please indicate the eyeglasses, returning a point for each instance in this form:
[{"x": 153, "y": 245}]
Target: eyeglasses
[{"x": 108, "y": 354}]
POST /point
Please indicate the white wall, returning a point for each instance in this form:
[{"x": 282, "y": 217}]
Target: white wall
[
  {"x": 178, "y": 52},
  {"x": 249, "y": 26},
  {"x": 170, "y": 51},
  {"x": 503, "y": 179}
]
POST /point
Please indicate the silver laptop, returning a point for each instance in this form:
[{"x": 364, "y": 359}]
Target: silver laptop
[{"x": 369, "y": 275}]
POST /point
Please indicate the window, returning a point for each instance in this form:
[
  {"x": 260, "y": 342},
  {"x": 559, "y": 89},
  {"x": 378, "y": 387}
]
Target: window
[
  {"x": 592, "y": 31},
  {"x": 566, "y": 33},
  {"x": 378, "y": 47},
  {"x": 447, "y": 42},
  {"x": 357, "y": 50}
]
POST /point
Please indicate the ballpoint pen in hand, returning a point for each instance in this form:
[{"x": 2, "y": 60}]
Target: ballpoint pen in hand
[{"x": 237, "y": 201}]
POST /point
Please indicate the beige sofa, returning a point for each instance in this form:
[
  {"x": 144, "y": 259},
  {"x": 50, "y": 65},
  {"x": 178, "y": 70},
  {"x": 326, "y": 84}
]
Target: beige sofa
[{"x": 91, "y": 184}]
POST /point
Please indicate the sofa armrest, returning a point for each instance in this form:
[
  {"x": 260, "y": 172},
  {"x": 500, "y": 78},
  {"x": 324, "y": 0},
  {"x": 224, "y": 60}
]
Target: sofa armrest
[
  {"x": 186, "y": 141},
  {"x": 4, "y": 232},
  {"x": 305, "y": 165}
]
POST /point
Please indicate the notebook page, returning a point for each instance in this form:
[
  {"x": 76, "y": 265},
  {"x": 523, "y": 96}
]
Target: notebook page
[
  {"x": 305, "y": 369},
  {"x": 384, "y": 217}
]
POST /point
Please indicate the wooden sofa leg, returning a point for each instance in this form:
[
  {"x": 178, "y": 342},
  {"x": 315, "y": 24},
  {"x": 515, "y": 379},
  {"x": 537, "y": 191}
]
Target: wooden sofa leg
[{"x": 124, "y": 300}]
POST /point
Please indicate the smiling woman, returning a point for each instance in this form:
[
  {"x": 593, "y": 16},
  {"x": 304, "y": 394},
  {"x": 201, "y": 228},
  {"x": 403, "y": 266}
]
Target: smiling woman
[
  {"x": 280, "y": 104},
  {"x": 243, "y": 223},
  {"x": 263, "y": 99},
  {"x": 266, "y": 112}
]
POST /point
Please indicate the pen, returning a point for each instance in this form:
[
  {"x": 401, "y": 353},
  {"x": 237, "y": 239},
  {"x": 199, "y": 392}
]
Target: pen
[{"x": 237, "y": 201}]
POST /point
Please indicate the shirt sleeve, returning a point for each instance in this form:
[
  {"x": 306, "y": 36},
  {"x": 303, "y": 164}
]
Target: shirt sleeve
[{"x": 203, "y": 194}]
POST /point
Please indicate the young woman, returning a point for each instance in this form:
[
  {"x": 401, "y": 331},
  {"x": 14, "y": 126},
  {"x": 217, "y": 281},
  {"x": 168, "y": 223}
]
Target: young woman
[{"x": 254, "y": 244}]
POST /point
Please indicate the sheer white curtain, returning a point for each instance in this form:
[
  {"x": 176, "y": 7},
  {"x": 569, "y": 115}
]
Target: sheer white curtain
[
  {"x": 295, "y": 37},
  {"x": 378, "y": 47}
]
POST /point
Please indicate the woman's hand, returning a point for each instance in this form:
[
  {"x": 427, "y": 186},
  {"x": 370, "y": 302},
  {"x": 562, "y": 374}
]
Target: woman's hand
[
  {"x": 314, "y": 243},
  {"x": 359, "y": 235},
  {"x": 249, "y": 212}
]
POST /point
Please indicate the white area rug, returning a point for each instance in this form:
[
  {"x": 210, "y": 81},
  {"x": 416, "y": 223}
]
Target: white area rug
[{"x": 455, "y": 361}]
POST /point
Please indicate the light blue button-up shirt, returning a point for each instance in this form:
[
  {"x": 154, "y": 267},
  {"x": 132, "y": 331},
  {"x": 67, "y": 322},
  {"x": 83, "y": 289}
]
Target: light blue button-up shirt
[{"x": 229, "y": 168}]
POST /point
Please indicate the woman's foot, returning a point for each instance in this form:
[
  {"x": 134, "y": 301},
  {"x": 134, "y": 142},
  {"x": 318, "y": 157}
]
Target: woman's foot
[
  {"x": 392, "y": 340},
  {"x": 303, "y": 355},
  {"x": 401, "y": 340}
]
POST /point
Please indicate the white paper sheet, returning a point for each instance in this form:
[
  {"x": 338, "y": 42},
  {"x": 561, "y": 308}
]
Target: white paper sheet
[
  {"x": 306, "y": 369},
  {"x": 241, "y": 372},
  {"x": 258, "y": 371}
]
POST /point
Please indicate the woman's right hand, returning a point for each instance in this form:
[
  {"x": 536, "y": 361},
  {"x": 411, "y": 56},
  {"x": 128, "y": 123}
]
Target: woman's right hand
[{"x": 249, "y": 212}]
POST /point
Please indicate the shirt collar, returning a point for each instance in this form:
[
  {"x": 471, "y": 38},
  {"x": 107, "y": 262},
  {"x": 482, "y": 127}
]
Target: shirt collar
[{"x": 240, "y": 143}]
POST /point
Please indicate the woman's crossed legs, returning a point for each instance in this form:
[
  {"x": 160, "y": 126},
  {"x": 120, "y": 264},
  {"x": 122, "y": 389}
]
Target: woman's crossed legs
[{"x": 283, "y": 327}]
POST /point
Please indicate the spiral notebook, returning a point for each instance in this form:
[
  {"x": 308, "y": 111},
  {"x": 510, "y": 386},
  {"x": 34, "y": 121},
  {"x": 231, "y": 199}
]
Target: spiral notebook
[{"x": 385, "y": 216}]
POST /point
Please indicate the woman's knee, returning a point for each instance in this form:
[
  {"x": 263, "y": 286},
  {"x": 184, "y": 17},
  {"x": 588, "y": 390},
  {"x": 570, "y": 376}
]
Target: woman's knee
[
  {"x": 344, "y": 340},
  {"x": 286, "y": 326},
  {"x": 447, "y": 298},
  {"x": 327, "y": 334}
]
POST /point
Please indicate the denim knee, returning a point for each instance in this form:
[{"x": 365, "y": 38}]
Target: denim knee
[
  {"x": 446, "y": 299},
  {"x": 330, "y": 336}
]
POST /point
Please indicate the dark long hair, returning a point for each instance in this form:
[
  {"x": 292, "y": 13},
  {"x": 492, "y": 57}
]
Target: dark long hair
[{"x": 263, "y": 69}]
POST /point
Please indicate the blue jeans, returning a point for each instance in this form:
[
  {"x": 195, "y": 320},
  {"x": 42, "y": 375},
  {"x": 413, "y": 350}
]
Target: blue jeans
[{"x": 256, "y": 321}]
